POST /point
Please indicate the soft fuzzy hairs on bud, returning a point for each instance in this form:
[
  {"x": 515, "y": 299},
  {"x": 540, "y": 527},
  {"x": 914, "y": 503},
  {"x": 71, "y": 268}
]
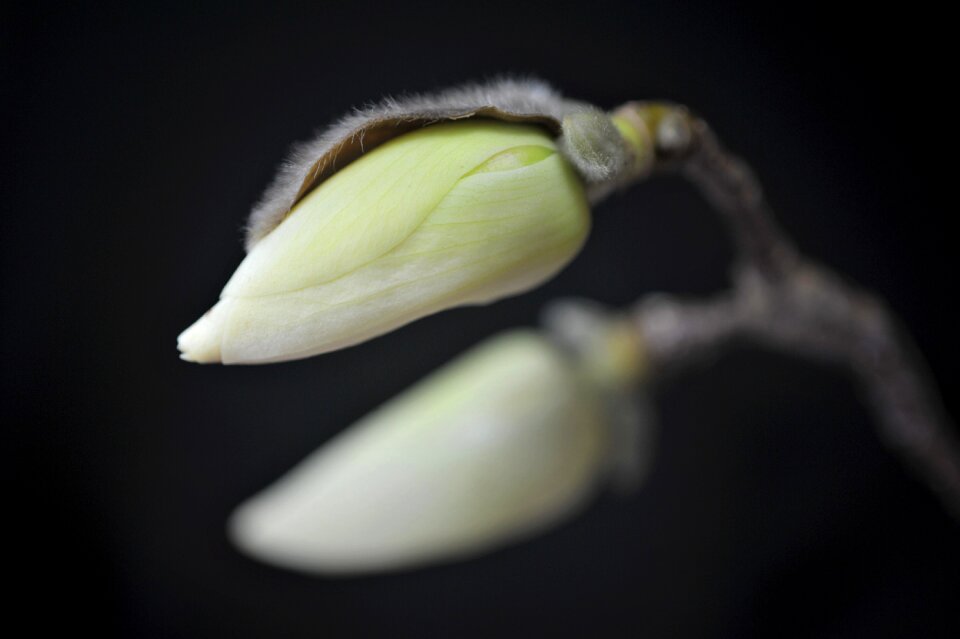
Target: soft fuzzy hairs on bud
[{"x": 587, "y": 138}]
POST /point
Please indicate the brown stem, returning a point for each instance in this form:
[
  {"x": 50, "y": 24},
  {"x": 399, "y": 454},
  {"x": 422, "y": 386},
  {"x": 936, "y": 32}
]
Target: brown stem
[{"x": 787, "y": 302}]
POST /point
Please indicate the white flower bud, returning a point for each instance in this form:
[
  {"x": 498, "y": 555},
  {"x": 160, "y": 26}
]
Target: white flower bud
[
  {"x": 503, "y": 442},
  {"x": 455, "y": 213}
]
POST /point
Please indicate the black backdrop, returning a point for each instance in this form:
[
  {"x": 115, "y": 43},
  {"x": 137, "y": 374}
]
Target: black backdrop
[{"x": 136, "y": 139}]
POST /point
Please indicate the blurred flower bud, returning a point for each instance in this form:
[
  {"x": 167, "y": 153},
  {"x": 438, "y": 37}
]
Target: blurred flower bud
[
  {"x": 503, "y": 442},
  {"x": 612, "y": 357},
  {"x": 463, "y": 212}
]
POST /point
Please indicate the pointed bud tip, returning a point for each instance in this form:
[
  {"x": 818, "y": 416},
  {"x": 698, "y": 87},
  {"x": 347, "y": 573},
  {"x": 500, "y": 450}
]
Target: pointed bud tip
[
  {"x": 249, "y": 532},
  {"x": 253, "y": 534},
  {"x": 200, "y": 343},
  {"x": 266, "y": 531}
]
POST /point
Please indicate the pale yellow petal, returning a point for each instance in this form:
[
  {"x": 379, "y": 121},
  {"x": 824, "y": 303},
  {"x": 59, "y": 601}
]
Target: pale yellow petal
[
  {"x": 372, "y": 205},
  {"x": 501, "y": 443},
  {"x": 495, "y": 234}
]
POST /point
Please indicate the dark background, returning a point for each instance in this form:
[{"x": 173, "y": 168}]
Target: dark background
[{"x": 135, "y": 141}]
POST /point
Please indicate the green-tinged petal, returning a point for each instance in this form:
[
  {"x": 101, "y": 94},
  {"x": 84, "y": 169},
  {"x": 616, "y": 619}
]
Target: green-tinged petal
[
  {"x": 495, "y": 234},
  {"x": 501, "y": 443},
  {"x": 498, "y": 211},
  {"x": 372, "y": 205}
]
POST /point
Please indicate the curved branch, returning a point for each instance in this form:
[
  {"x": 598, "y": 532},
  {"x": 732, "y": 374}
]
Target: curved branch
[{"x": 783, "y": 300}]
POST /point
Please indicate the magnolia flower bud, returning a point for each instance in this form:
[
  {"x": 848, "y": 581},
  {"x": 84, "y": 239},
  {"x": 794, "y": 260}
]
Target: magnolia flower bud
[
  {"x": 412, "y": 206},
  {"x": 501, "y": 443},
  {"x": 455, "y": 213}
]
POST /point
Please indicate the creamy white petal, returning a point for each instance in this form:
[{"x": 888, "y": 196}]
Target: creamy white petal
[
  {"x": 372, "y": 205},
  {"x": 496, "y": 232},
  {"x": 503, "y": 442}
]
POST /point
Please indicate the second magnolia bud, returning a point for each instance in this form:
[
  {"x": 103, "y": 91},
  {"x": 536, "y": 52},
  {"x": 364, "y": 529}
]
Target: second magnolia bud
[{"x": 502, "y": 443}]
